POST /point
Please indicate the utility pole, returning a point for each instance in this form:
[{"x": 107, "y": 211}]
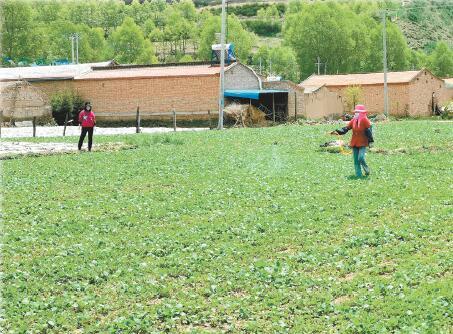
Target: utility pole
[
  {"x": 222, "y": 68},
  {"x": 75, "y": 36},
  {"x": 72, "y": 49},
  {"x": 384, "y": 40},
  {"x": 226, "y": 28},
  {"x": 77, "y": 48},
  {"x": 319, "y": 65}
]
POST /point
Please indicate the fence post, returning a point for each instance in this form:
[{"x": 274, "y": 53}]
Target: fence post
[
  {"x": 295, "y": 106},
  {"x": 65, "y": 124},
  {"x": 1, "y": 122},
  {"x": 34, "y": 126},
  {"x": 137, "y": 120},
  {"x": 174, "y": 120},
  {"x": 273, "y": 108},
  {"x": 209, "y": 118}
]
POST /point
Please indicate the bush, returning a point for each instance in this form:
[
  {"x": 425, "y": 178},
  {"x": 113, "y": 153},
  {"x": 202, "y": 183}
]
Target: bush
[
  {"x": 249, "y": 10},
  {"x": 66, "y": 102},
  {"x": 264, "y": 28}
]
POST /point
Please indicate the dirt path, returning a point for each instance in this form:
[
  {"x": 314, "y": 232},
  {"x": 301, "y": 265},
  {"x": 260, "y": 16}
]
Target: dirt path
[
  {"x": 14, "y": 149},
  {"x": 57, "y": 131}
]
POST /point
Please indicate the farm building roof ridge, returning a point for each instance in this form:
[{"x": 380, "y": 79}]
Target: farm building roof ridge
[
  {"x": 54, "y": 72},
  {"x": 138, "y": 72},
  {"x": 360, "y": 78},
  {"x": 126, "y": 66}
]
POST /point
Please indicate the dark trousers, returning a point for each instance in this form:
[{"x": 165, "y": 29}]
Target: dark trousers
[{"x": 90, "y": 138}]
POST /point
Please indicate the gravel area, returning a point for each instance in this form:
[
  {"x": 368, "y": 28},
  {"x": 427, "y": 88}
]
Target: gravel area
[
  {"x": 11, "y": 149},
  {"x": 8, "y": 149},
  {"x": 57, "y": 131}
]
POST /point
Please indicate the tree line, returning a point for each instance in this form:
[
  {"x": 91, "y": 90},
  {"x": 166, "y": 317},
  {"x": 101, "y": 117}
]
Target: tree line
[{"x": 347, "y": 37}]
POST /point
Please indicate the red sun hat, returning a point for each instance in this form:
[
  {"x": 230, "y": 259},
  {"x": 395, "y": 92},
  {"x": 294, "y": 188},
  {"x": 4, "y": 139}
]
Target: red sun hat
[{"x": 360, "y": 108}]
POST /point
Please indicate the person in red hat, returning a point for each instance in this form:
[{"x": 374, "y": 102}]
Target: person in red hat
[{"x": 362, "y": 137}]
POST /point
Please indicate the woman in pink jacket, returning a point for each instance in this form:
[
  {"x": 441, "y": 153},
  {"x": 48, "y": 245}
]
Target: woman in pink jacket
[{"x": 87, "y": 120}]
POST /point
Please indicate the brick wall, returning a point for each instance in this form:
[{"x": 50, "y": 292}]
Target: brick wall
[
  {"x": 405, "y": 99},
  {"x": 116, "y": 96},
  {"x": 49, "y": 88},
  {"x": 446, "y": 95},
  {"x": 241, "y": 77},
  {"x": 373, "y": 98},
  {"x": 183, "y": 94},
  {"x": 420, "y": 93}
]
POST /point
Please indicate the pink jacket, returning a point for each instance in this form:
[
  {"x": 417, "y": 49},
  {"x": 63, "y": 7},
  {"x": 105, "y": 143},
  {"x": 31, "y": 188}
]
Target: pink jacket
[{"x": 87, "y": 119}]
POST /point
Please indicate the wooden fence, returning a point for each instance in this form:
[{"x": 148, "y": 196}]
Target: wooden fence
[
  {"x": 138, "y": 116},
  {"x": 170, "y": 114}
]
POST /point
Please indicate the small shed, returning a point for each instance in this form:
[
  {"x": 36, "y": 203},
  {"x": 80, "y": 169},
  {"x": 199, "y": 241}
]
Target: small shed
[
  {"x": 273, "y": 102},
  {"x": 19, "y": 100},
  {"x": 295, "y": 96}
]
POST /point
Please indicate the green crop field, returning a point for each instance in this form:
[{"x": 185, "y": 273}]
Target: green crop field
[{"x": 241, "y": 231}]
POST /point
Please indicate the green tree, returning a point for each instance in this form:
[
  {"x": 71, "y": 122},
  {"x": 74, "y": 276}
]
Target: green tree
[
  {"x": 267, "y": 22},
  {"x": 282, "y": 60},
  {"x": 47, "y": 11},
  {"x": 319, "y": 30},
  {"x": 440, "y": 62},
  {"x": 417, "y": 60},
  {"x": 416, "y": 10},
  {"x": 186, "y": 59},
  {"x": 113, "y": 13},
  {"x": 128, "y": 45},
  {"x": 398, "y": 53},
  {"x": 241, "y": 38},
  {"x": 53, "y": 41},
  {"x": 148, "y": 27},
  {"x": 16, "y": 28},
  {"x": 187, "y": 9},
  {"x": 353, "y": 96},
  {"x": 140, "y": 12},
  {"x": 84, "y": 12}
]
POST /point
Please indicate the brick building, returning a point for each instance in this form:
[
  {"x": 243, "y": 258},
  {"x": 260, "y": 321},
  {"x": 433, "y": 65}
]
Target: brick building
[
  {"x": 410, "y": 92},
  {"x": 116, "y": 91}
]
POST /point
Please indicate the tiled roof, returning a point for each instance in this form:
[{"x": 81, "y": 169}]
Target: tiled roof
[
  {"x": 359, "y": 79},
  {"x": 152, "y": 72},
  {"x": 56, "y": 72}
]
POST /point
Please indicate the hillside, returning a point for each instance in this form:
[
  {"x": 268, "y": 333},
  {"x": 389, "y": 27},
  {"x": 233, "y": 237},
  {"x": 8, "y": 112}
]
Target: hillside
[{"x": 422, "y": 27}]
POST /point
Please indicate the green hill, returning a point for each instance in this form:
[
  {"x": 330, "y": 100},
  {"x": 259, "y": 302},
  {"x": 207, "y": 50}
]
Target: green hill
[{"x": 422, "y": 22}]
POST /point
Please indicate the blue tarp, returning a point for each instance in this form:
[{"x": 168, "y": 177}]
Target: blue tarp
[{"x": 253, "y": 94}]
